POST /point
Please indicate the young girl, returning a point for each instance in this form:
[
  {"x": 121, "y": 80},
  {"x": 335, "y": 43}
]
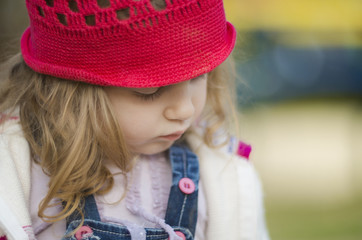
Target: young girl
[{"x": 114, "y": 125}]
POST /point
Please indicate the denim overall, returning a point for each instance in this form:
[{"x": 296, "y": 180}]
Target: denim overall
[{"x": 181, "y": 213}]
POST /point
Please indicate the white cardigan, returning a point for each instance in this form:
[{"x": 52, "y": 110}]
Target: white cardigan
[{"x": 232, "y": 189}]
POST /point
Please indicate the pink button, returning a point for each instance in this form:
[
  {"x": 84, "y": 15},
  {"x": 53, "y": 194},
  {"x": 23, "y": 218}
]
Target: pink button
[
  {"x": 186, "y": 185},
  {"x": 82, "y": 231},
  {"x": 180, "y": 234}
]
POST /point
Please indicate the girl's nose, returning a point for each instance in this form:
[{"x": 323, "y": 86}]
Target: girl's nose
[{"x": 180, "y": 107}]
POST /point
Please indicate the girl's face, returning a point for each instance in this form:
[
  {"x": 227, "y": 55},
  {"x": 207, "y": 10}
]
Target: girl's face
[{"x": 152, "y": 119}]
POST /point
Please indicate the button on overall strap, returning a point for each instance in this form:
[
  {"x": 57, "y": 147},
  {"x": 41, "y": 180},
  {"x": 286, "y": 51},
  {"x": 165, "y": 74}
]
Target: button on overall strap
[{"x": 182, "y": 202}]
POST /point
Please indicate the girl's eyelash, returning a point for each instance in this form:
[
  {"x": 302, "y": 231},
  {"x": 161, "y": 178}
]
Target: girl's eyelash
[{"x": 149, "y": 97}]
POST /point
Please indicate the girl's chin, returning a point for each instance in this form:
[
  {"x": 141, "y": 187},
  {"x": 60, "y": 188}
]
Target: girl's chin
[{"x": 153, "y": 148}]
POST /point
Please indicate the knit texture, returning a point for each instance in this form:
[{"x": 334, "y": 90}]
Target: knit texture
[
  {"x": 150, "y": 48},
  {"x": 15, "y": 182}
]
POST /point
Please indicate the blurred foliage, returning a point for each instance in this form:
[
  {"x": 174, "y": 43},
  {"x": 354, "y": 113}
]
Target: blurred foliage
[
  {"x": 13, "y": 21},
  {"x": 289, "y": 49},
  {"x": 295, "y": 15},
  {"x": 342, "y": 222}
]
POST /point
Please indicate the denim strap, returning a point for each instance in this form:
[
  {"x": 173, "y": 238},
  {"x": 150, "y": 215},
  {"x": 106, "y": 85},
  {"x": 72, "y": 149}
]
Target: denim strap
[
  {"x": 182, "y": 208},
  {"x": 89, "y": 210}
]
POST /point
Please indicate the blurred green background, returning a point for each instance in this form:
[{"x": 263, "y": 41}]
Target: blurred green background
[
  {"x": 300, "y": 98},
  {"x": 300, "y": 95}
]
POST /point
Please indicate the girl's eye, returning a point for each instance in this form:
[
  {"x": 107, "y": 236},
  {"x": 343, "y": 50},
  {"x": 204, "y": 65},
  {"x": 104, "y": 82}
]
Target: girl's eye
[{"x": 149, "y": 96}]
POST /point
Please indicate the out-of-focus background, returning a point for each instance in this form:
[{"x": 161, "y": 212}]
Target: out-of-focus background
[
  {"x": 300, "y": 98},
  {"x": 301, "y": 109}
]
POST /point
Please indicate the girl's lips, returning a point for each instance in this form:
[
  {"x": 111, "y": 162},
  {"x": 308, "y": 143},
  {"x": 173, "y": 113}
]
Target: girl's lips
[{"x": 173, "y": 136}]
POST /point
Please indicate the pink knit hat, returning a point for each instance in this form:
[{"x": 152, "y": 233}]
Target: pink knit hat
[{"x": 150, "y": 48}]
